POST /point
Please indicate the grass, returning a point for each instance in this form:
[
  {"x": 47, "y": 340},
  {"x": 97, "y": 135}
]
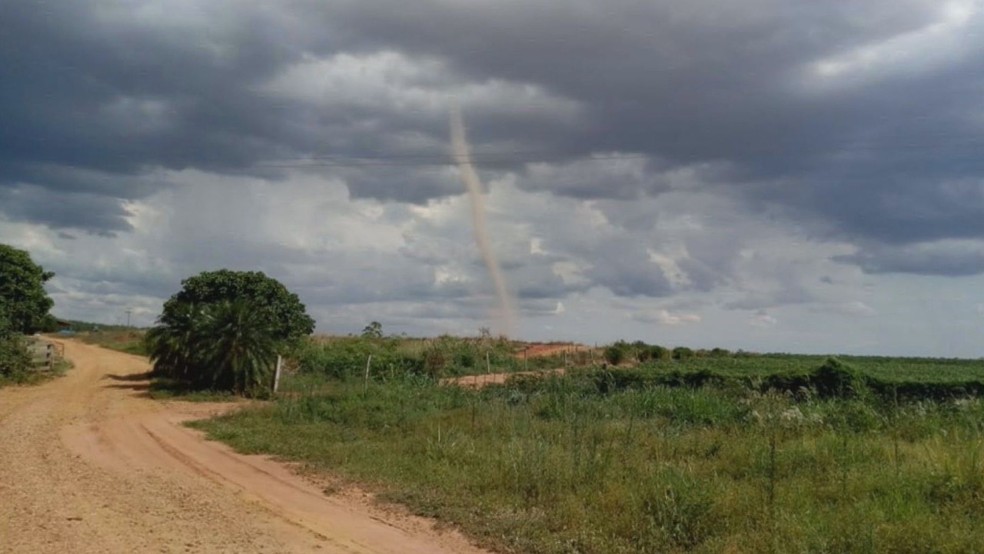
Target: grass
[
  {"x": 565, "y": 465},
  {"x": 35, "y": 377},
  {"x": 893, "y": 369},
  {"x": 128, "y": 340},
  {"x": 445, "y": 356}
]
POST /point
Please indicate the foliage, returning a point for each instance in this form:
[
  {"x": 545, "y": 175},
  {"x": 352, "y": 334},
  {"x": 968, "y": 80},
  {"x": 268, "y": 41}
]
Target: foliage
[
  {"x": 226, "y": 345},
  {"x": 553, "y": 465},
  {"x": 223, "y": 331},
  {"x": 346, "y": 357},
  {"x": 22, "y": 290},
  {"x": 283, "y": 309},
  {"x": 618, "y": 352},
  {"x": 621, "y": 352},
  {"x": 373, "y": 331},
  {"x": 15, "y": 359},
  {"x": 343, "y": 358},
  {"x": 682, "y": 353}
]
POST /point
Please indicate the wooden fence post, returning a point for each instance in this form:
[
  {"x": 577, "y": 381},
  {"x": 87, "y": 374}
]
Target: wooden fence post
[{"x": 276, "y": 374}]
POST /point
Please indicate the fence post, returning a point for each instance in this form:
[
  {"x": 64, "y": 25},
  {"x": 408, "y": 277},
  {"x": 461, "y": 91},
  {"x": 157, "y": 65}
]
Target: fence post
[
  {"x": 276, "y": 374},
  {"x": 365, "y": 388}
]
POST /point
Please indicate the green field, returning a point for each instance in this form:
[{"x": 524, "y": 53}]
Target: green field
[
  {"x": 650, "y": 459},
  {"x": 889, "y": 369}
]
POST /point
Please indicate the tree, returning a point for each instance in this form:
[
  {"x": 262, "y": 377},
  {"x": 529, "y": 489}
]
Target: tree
[
  {"x": 173, "y": 343},
  {"x": 283, "y": 309},
  {"x": 22, "y": 290},
  {"x": 373, "y": 331},
  {"x": 239, "y": 350},
  {"x": 223, "y": 331}
]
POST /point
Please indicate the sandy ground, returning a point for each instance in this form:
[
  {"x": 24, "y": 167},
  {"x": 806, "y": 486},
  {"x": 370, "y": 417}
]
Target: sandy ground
[
  {"x": 480, "y": 381},
  {"x": 532, "y": 350},
  {"x": 540, "y": 349},
  {"x": 89, "y": 463}
]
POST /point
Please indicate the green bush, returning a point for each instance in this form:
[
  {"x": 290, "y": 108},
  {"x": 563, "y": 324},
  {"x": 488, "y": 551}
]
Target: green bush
[
  {"x": 617, "y": 353},
  {"x": 15, "y": 359},
  {"x": 682, "y": 353},
  {"x": 344, "y": 358}
]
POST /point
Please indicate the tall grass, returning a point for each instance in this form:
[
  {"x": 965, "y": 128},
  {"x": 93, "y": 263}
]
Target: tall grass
[
  {"x": 565, "y": 465},
  {"x": 347, "y": 357}
]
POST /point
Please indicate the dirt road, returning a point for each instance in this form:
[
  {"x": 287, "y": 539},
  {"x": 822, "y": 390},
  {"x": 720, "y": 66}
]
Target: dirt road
[{"x": 89, "y": 463}]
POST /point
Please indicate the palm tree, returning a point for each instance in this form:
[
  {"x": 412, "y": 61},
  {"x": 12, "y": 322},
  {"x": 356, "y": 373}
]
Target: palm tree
[
  {"x": 236, "y": 346},
  {"x": 171, "y": 343},
  {"x": 226, "y": 345}
]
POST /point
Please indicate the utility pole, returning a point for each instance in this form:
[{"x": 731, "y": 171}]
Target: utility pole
[{"x": 128, "y": 311}]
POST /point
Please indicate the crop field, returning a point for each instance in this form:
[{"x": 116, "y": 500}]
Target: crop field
[{"x": 650, "y": 458}]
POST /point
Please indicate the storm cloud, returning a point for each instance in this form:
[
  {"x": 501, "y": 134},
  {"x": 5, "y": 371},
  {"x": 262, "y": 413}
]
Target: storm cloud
[{"x": 747, "y": 158}]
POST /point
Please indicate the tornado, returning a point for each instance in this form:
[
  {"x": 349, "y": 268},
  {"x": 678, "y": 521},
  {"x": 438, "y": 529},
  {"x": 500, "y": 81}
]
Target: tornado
[{"x": 461, "y": 152}]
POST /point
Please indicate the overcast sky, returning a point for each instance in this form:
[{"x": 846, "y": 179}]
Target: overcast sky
[{"x": 768, "y": 175}]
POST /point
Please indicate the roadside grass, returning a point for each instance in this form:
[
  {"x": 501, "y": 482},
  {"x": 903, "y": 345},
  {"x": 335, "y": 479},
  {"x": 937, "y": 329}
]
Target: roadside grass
[
  {"x": 36, "y": 376},
  {"x": 562, "y": 464},
  {"x": 24, "y": 360}
]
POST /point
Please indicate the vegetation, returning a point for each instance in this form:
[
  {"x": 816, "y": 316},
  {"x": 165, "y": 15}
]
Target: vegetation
[
  {"x": 114, "y": 337},
  {"x": 445, "y": 356},
  {"x": 711, "y": 452},
  {"x": 223, "y": 330},
  {"x": 24, "y": 306},
  {"x": 15, "y": 360},
  {"x": 287, "y": 316}
]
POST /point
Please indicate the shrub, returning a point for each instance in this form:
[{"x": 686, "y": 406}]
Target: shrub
[
  {"x": 682, "y": 353},
  {"x": 617, "y": 353},
  {"x": 15, "y": 359},
  {"x": 837, "y": 379}
]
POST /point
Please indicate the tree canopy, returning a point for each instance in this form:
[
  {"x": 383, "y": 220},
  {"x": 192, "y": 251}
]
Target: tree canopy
[
  {"x": 26, "y": 304},
  {"x": 282, "y": 309}
]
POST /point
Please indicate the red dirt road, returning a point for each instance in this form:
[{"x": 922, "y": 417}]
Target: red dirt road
[{"x": 88, "y": 463}]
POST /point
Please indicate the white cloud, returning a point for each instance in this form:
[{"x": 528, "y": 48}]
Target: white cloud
[
  {"x": 943, "y": 41},
  {"x": 762, "y": 319},
  {"x": 670, "y": 268},
  {"x": 667, "y": 318}
]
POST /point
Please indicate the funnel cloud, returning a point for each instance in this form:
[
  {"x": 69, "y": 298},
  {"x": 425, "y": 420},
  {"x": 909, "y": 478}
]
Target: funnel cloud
[{"x": 461, "y": 152}]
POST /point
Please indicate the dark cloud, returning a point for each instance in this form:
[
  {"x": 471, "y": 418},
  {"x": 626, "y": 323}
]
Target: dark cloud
[
  {"x": 951, "y": 258},
  {"x": 798, "y": 109},
  {"x": 90, "y": 212}
]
